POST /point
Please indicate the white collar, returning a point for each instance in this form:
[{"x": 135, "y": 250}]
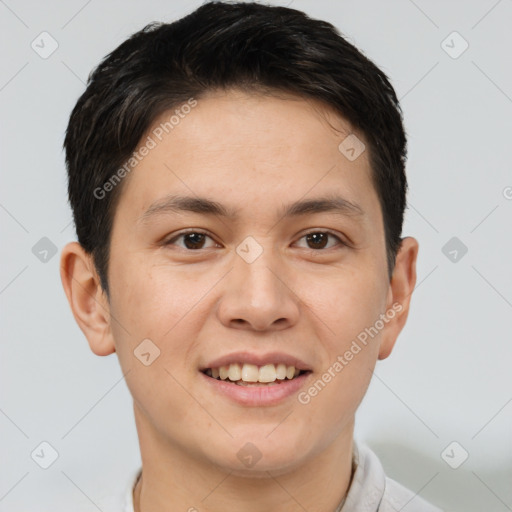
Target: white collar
[{"x": 365, "y": 493}]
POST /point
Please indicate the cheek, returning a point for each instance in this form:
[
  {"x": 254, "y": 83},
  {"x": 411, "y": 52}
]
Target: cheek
[
  {"x": 343, "y": 304},
  {"x": 151, "y": 325},
  {"x": 161, "y": 303},
  {"x": 332, "y": 398},
  {"x": 346, "y": 309},
  {"x": 151, "y": 299}
]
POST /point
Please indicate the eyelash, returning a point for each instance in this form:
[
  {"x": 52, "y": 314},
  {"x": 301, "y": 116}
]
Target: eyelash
[{"x": 200, "y": 232}]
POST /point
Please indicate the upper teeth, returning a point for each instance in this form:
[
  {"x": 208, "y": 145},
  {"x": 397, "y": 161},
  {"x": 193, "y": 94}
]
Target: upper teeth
[{"x": 252, "y": 373}]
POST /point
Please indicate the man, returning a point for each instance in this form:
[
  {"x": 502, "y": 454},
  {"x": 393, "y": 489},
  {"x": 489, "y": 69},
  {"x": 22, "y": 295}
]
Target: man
[{"x": 238, "y": 188}]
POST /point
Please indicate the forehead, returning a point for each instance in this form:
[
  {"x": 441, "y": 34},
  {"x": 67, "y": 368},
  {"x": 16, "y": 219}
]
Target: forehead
[
  {"x": 279, "y": 125},
  {"x": 247, "y": 150}
]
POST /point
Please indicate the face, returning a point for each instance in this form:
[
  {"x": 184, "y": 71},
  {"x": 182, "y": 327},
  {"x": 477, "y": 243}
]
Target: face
[{"x": 246, "y": 243}]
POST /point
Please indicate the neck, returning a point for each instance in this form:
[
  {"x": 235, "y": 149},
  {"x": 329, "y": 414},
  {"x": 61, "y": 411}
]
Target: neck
[{"x": 172, "y": 477}]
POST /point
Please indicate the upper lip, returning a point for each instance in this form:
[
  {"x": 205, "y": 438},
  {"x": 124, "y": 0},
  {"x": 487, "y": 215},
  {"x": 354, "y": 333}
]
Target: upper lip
[{"x": 258, "y": 360}]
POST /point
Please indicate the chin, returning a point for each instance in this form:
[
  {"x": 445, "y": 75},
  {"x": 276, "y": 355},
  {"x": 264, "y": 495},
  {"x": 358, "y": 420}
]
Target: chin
[
  {"x": 254, "y": 455},
  {"x": 263, "y": 468}
]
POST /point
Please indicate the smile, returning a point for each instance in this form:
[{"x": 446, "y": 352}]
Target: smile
[{"x": 250, "y": 375}]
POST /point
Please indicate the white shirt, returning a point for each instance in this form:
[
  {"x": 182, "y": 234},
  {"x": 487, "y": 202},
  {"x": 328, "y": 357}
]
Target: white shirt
[{"x": 370, "y": 490}]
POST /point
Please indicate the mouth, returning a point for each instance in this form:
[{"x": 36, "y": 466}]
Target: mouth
[
  {"x": 256, "y": 380},
  {"x": 252, "y": 375}
]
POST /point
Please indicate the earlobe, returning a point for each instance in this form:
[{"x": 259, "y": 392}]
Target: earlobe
[
  {"x": 401, "y": 287},
  {"x": 86, "y": 298}
]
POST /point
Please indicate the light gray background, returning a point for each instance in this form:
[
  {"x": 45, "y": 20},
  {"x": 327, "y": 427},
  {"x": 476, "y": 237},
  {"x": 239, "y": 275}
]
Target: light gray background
[{"x": 449, "y": 378}]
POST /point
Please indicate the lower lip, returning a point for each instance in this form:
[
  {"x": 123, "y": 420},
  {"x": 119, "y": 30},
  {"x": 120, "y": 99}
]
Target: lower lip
[{"x": 257, "y": 396}]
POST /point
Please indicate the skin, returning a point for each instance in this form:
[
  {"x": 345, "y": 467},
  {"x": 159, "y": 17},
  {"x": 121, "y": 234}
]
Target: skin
[{"x": 252, "y": 153}]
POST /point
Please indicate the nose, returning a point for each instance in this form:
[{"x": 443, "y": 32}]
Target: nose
[{"x": 258, "y": 296}]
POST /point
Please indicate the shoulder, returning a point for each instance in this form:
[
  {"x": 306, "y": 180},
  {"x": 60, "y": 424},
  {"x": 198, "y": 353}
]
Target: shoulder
[
  {"x": 121, "y": 500},
  {"x": 372, "y": 490},
  {"x": 397, "y": 497}
]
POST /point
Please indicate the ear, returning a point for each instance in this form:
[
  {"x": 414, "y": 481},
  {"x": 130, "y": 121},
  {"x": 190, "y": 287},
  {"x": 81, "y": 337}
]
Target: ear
[
  {"x": 401, "y": 287},
  {"x": 88, "y": 301}
]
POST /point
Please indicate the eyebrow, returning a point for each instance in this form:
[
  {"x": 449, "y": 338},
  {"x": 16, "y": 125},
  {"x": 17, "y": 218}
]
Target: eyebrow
[{"x": 202, "y": 205}]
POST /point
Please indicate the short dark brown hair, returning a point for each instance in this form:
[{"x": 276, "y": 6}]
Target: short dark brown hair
[{"x": 249, "y": 46}]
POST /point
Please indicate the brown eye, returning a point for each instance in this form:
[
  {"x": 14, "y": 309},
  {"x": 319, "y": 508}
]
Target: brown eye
[
  {"x": 318, "y": 240},
  {"x": 192, "y": 240}
]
